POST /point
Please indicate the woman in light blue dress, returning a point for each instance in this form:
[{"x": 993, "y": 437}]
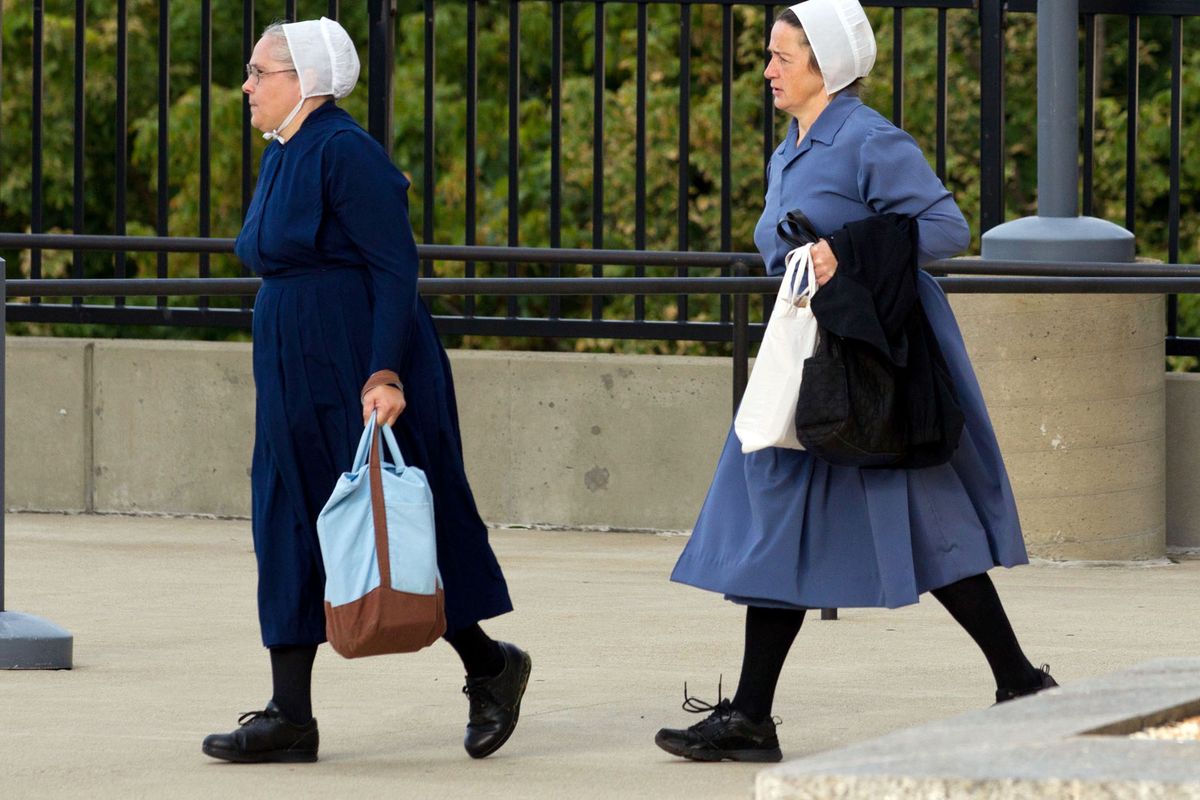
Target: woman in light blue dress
[{"x": 782, "y": 531}]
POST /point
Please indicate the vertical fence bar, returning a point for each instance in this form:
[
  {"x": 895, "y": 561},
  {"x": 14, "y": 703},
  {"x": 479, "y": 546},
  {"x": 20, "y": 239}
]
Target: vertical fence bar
[
  {"x": 741, "y": 339},
  {"x": 164, "y": 108},
  {"x": 1173, "y": 211},
  {"x": 381, "y": 46},
  {"x": 943, "y": 58},
  {"x": 3, "y": 419},
  {"x": 290, "y": 10},
  {"x": 556, "y": 78},
  {"x": 472, "y": 123},
  {"x": 429, "y": 173},
  {"x": 726, "y": 144},
  {"x": 247, "y": 151},
  {"x": 1131, "y": 123},
  {"x": 685, "y": 113},
  {"x": 333, "y": 11},
  {"x": 80, "y": 199},
  {"x": 768, "y": 121},
  {"x": 898, "y": 67},
  {"x": 35, "y": 155},
  {"x": 598, "y": 73},
  {"x": 514, "y": 138},
  {"x": 639, "y": 167},
  {"x": 1089, "y": 112},
  {"x": 121, "y": 138},
  {"x": 205, "y": 135},
  {"x": 991, "y": 114}
]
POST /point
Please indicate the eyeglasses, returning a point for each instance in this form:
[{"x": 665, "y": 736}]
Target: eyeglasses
[{"x": 255, "y": 74}]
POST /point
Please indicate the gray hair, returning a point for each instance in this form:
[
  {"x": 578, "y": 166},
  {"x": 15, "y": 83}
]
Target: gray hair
[{"x": 279, "y": 45}]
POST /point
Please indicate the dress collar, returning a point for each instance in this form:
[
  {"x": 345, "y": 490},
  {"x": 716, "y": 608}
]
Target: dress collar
[{"x": 823, "y": 130}]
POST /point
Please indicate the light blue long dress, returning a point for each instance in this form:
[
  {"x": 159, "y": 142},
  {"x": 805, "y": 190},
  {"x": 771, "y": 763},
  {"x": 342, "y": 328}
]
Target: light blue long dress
[{"x": 781, "y": 528}]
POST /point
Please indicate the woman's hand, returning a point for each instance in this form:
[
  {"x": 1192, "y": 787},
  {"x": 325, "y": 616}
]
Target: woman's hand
[
  {"x": 387, "y": 400},
  {"x": 824, "y": 262}
]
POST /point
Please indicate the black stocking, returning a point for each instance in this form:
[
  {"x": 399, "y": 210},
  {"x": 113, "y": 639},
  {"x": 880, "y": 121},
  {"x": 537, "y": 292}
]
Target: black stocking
[
  {"x": 481, "y": 656},
  {"x": 291, "y": 675},
  {"x": 974, "y": 604},
  {"x": 769, "y": 635}
]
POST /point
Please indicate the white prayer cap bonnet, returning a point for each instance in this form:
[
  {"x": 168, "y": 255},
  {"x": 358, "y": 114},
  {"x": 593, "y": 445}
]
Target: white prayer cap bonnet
[
  {"x": 325, "y": 59},
  {"x": 841, "y": 38}
]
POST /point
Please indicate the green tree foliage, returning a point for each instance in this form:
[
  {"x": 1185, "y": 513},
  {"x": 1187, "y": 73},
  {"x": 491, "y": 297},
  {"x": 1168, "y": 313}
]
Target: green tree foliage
[{"x": 704, "y": 230}]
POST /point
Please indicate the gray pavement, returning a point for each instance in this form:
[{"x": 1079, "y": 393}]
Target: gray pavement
[{"x": 167, "y": 650}]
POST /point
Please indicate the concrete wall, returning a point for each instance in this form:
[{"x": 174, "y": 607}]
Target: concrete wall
[
  {"x": 1183, "y": 460},
  {"x": 631, "y": 441},
  {"x": 1074, "y": 385},
  {"x": 133, "y": 426}
]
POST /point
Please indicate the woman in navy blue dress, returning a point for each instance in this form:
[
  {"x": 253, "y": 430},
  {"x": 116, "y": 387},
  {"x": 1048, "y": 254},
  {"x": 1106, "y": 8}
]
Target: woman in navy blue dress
[
  {"x": 339, "y": 333},
  {"x": 782, "y": 531}
]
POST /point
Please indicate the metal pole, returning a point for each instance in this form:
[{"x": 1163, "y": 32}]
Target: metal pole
[
  {"x": 3, "y": 353},
  {"x": 381, "y": 45},
  {"x": 741, "y": 339},
  {"x": 26, "y": 641},
  {"x": 1058, "y": 108},
  {"x": 1057, "y": 233}
]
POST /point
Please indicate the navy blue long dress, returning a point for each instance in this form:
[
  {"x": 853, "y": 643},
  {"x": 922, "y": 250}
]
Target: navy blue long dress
[
  {"x": 328, "y": 231},
  {"x": 781, "y": 528}
]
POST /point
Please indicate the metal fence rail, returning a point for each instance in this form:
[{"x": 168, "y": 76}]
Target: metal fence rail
[
  {"x": 381, "y": 22},
  {"x": 988, "y": 277}
]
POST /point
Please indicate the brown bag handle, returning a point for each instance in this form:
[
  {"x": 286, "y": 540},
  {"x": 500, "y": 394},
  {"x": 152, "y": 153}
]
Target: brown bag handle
[{"x": 379, "y": 510}]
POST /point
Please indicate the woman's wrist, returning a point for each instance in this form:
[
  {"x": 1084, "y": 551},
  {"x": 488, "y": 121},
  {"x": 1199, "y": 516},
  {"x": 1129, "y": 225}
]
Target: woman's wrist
[{"x": 384, "y": 377}]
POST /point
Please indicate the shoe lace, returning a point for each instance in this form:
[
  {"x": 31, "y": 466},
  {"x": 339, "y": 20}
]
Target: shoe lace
[
  {"x": 251, "y": 717},
  {"x": 477, "y": 693},
  {"x": 716, "y": 713}
]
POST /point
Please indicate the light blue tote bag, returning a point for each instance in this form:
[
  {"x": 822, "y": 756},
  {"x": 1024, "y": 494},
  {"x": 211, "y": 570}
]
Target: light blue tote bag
[{"x": 383, "y": 591}]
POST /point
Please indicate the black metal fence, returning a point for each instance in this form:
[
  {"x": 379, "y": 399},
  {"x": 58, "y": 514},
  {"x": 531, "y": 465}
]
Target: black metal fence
[{"x": 379, "y": 19}]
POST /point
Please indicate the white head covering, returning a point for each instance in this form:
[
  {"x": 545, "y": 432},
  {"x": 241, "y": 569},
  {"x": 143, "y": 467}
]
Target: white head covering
[
  {"x": 841, "y": 38},
  {"x": 325, "y": 59}
]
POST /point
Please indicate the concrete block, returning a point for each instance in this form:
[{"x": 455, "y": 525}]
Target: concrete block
[
  {"x": 1074, "y": 387},
  {"x": 482, "y": 383},
  {"x": 1062, "y": 743},
  {"x": 619, "y": 441},
  {"x": 174, "y": 427},
  {"x": 47, "y": 444},
  {"x": 1183, "y": 460},
  {"x": 1094, "y": 527}
]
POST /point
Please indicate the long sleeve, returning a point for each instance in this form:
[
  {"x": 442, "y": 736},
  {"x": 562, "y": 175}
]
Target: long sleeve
[
  {"x": 895, "y": 177},
  {"x": 368, "y": 198}
]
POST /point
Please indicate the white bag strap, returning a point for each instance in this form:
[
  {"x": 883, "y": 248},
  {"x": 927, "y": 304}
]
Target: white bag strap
[
  {"x": 364, "y": 444},
  {"x": 798, "y": 260}
]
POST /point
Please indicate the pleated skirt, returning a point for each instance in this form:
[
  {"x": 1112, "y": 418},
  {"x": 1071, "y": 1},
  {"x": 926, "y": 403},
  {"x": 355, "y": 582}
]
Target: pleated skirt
[
  {"x": 312, "y": 349},
  {"x": 781, "y": 528}
]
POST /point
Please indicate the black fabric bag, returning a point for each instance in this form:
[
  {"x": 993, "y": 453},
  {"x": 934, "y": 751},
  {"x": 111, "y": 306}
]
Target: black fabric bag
[
  {"x": 849, "y": 410},
  {"x": 860, "y": 406}
]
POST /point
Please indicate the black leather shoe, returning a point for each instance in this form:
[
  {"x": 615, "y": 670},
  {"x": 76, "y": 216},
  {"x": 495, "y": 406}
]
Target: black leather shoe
[
  {"x": 496, "y": 703},
  {"x": 725, "y": 735},
  {"x": 1045, "y": 682},
  {"x": 265, "y": 736}
]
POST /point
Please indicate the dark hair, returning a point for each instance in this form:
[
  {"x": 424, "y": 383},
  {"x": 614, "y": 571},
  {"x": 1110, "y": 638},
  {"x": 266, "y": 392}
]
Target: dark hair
[{"x": 789, "y": 17}]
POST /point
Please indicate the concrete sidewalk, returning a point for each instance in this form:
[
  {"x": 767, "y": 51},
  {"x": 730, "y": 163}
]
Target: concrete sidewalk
[{"x": 167, "y": 650}]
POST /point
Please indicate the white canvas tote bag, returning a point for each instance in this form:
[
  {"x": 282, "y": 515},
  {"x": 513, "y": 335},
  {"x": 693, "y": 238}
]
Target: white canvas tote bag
[{"x": 767, "y": 414}]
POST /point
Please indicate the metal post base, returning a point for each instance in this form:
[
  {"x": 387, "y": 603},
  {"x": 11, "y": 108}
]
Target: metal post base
[
  {"x": 1058, "y": 239},
  {"x": 29, "y": 642}
]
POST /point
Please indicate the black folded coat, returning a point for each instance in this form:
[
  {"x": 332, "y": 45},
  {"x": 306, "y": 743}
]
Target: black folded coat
[{"x": 878, "y": 362}]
